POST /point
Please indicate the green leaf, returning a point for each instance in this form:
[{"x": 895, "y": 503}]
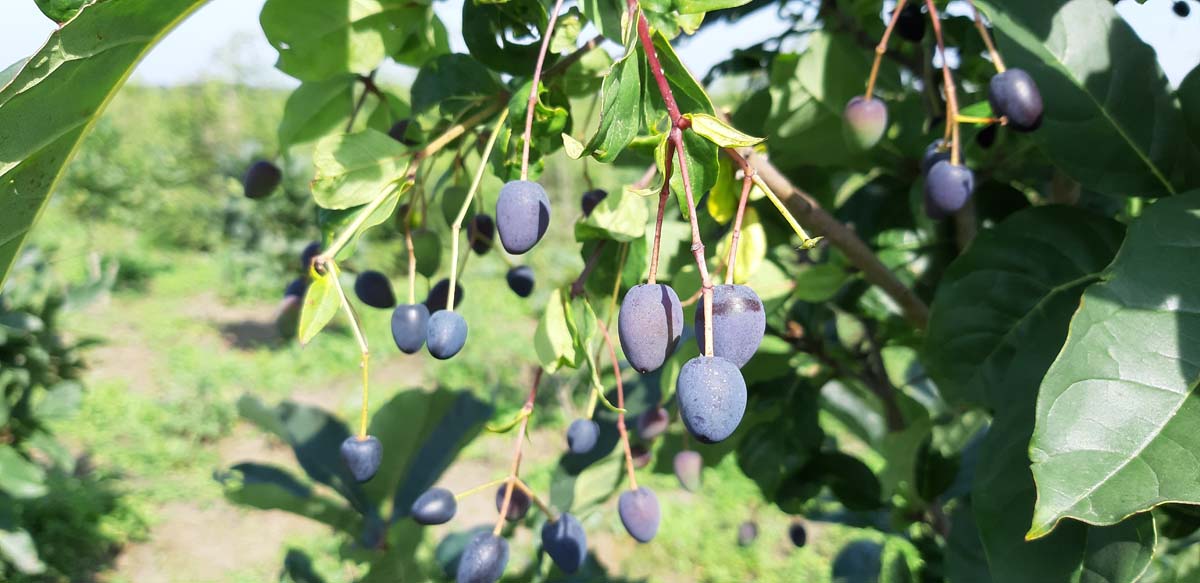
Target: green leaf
[
  {"x": 702, "y": 6},
  {"x": 93, "y": 54},
  {"x": 1118, "y": 408},
  {"x": 489, "y": 30},
  {"x": 819, "y": 282},
  {"x": 60, "y": 401},
  {"x": 355, "y": 169},
  {"x": 619, "y": 122},
  {"x": 554, "y": 340},
  {"x": 318, "y": 39},
  {"x": 1009, "y": 297},
  {"x": 16, "y": 546},
  {"x": 19, "y": 477},
  {"x": 1189, "y": 99},
  {"x": 751, "y": 251},
  {"x": 722, "y": 202},
  {"x": 453, "y": 83},
  {"x": 363, "y": 217},
  {"x": 1102, "y": 87},
  {"x": 550, "y": 119},
  {"x": 60, "y": 11},
  {"x": 321, "y": 304},
  {"x": 606, "y": 15},
  {"x": 719, "y": 132},
  {"x": 316, "y": 109},
  {"x": 620, "y": 216}
]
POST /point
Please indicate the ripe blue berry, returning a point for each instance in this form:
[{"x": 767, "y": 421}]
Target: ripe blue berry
[
  {"x": 445, "y": 334},
  {"x": 590, "y": 199},
  {"x": 566, "y": 542},
  {"x": 296, "y": 288},
  {"x": 481, "y": 232},
  {"x": 1014, "y": 95},
  {"x": 649, "y": 325},
  {"x": 712, "y": 397},
  {"x": 374, "y": 289},
  {"x": 582, "y": 436},
  {"x": 518, "y": 506},
  {"x": 483, "y": 560},
  {"x": 866, "y": 121},
  {"x": 688, "y": 464},
  {"x": 435, "y": 506},
  {"x": 440, "y": 293},
  {"x": 739, "y": 322},
  {"x": 362, "y": 456},
  {"x": 409, "y": 327},
  {"x": 522, "y": 215},
  {"x": 261, "y": 179},
  {"x": 639, "y": 513},
  {"x": 520, "y": 280},
  {"x": 947, "y": 188},
  {"x": 306, "y": 256},
  {"x": 798, "y": 535},
  {"x": 935, "y": 152}
]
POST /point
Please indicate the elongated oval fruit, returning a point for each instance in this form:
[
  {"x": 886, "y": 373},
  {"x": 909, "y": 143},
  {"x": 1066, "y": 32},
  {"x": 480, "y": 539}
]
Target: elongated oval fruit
[
  {"x": 435, "y": 506},
  {"x": 1013, "y": 94},
  {"x": 518, "y": 506},
  {"x": 652, "y": 423},
  {"x": 910, "y": 25},
  {"x": 374, "y": 289},
  {"x": 866, "y": 121},
  {"x": 483, "y": 560},
  {"x": 522, "y": 215},
  {"x": 362, "y": 456},
  {"x": 481, "y": 232},
  {"x": 798, "y": 535},
  {"x": 409, "y": 323},
  {"x": 520, "y": 280},
  {"x": 445, "y": 334},
  {"x": 712, "y": 398},
  {"x": 739, "y": 322},
  {"x": 590, "y": 199},
  {"x": 439, "y": 294},
  {"x": 747, "y": 532},
  {"x": 649, "y": 325},
  {"x": 688, "y": 465},
  {"x": 640, "y": 513},
  {"x": 261, "y": 179},
  {"x": 947, "y": 188},
  {"x": 582, "y": 436},
  {"x": 566, "y": 542}
]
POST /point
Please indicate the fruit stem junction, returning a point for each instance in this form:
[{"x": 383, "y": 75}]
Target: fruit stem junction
[
  {"x": 516, "y": 462},
  {"x": 881, "y": 49},
  {"x": 952, "y": 117}
]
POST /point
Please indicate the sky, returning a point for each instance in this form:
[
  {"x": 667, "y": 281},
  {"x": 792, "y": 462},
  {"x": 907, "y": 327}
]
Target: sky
[{"x": 223, "y": 40}]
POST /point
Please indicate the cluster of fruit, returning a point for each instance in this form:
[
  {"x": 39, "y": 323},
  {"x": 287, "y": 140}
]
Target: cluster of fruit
[{"x": 1014, "y": 98}]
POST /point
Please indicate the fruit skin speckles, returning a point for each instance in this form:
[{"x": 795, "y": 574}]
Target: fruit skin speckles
[
  {"x": 739, "y": 322},
  {"x": 712, "y": 398},
  {"x": 435, "y": 506},
  {"x": 566, "y": 542},
  {"x": 640, "y": 513},
  {"x": 446, "y": 333},
  {"x": 649, "y": 325},
  {"x": 483, "y": 560},
  {"x": 362, "y": 456},
  {"x": 1013, "y": 94},
  {"x": 522, "y": 215}
]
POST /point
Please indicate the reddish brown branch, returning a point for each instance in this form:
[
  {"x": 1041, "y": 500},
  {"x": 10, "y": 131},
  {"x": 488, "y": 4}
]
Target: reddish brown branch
[
  {"x": 526, "y": 412},
  {"x": 612, "y": 354}
]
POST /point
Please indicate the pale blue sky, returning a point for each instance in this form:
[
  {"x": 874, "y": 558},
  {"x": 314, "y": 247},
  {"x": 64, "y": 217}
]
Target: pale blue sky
[{"x": 223, "y": 40}]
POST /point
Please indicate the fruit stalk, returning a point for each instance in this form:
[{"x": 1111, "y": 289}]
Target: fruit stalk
[
  {"x": 881, "y": 49},
  {"x": 612, "y": 355},
  {"x": 533, "y": 91},
  {"x": 551, "y": 515},
  {"x": 480, "y": 488},
  {"x": 412, "y": 255},
  {"x": 735, "y": 237},
  {"x": 697, "y": 243},
  {"x": 662, "y": 208},
  {"x": 368, "y": 82},
  {"x": 362, "y": 346},
  {"x": 458, "y": 129},
  {"x": 987, "y": 38},
  {"x": 948, "y": 82},
  {"x": 527, "y": 411},
  {"x": 456, "y": 228}
]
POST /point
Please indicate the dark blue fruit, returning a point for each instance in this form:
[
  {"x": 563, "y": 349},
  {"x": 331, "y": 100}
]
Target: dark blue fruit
[
  {"x": 1014, "y": 95},
  {"x": 639, "y": 513},
  {"x": 566, "y": 542},
  {"x": 374, "y": 289},
  {"x": 518, "y": 506},
  {"x": 739, "y": 322},
  {"x": 399, "y": 131},
  {"x": 520, "y": 280},
  {"x": 747, "y": 532},
  {"x": 445, "y": 334},
  {"x": 649, "y": 324},
  {"x": 947, "y": 188},
  {"x": 798, "y": 535},
  {"x": 483, "y": 560},
  {"x": 641, "y": 456},
  {"x": 1181, "y": 9},
  {"x": 408, "y": 327},
  {"x": 296, "y": 288},
  {"x": 439, "y": 293},
  {"x": 310, "y": 251},
  {"x": 911, "y": 24},
  {"x": 712, "y": 397},
  {"x": 261, "y": 179},
  {"x": 935, "y": 152},
  {"x": 522, "y": 215},
  {"x": 435, "y": 506},
  {"x": 687, "y": 465},
  {"x": 481, "y": 232},
  {"x": 590, "y": 199},
  {"x": 362, "y": 456},
  {"x": 866, "y": 121},
  {"x": 582, "y": 435},
  {"x": 652, "y": 423}
]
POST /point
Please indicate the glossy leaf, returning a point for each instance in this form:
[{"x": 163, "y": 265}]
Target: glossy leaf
[
  {"x": 60, "y": 10},
  {"x": 364, "y": 216},
  {"x": 19, "y": 477},
  {"x": 490, "y": 30},
  {"x": 318, "y": 39},
  {"x": 620, "y": 217},
  {"x": 1117, "y": 412},
  {"x": 1102, "y": 86},
  {"x": 316, "y": 109},
  {"x": 722, "y": 201},
  {"x": 719, "y": 132},
  {"x": 621, "y": 102},
  {"x": 94, "y": 54},
  {"x": 1009, "y": 298},
  {"x": 452, "y": 83},
  {"x": 355, "y": 169},
  {"x": 321, "y": 304},
  {"x": 554, "y": 339},
  {"x": 751, "y": 251}
]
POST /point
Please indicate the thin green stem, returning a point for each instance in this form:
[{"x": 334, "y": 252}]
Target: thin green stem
[
  {"x": 362, "y": 345},
  {"x": 456, "y": 228}
]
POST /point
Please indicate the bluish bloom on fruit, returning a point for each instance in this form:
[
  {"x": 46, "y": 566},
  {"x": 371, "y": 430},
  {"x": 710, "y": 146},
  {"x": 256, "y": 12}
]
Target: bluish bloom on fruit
[
  {"x": 947, "y": 188},
  {"x": 649, "y": 325},
  {"x": 446, "y": 333},
  {"x": 639, "y": 513},
  {"x": 566, "y": 542},
  {"x": 362, "y": 456},
  {"x": 712, "y": 398},
  {"x": 582, "y": 435},
  {"x": 409, "y": 323},
  {"x": 522, "y": 215},
  {"x": 435, "y": 506},
  {"x": 739, "y": 322},
  {"x": 483, "y": 560},
  {"x": 1013, "y": 94}
]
